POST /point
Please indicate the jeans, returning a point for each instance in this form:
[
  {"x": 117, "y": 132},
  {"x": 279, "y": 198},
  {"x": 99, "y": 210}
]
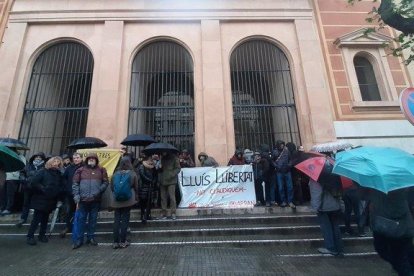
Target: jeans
[
  {"x": 398, "y": 252},
  {"x": 88, "y": 210},
  {"x": 38, "y": 217},
  {"x": 7, "y": 194},
  {"x": 281, "y": 179},
  {"x": 70, "y": 208},
  {"x": 352, "y": 203},
  {"x": 168, "y": 191},
  {"x": 258, "y": 188},
  {"x": 329, "y": 223},
  {"x": 268, "y": 190},
  {"x": 27, "y": 196},
  {"x": 121, "y": 222}
]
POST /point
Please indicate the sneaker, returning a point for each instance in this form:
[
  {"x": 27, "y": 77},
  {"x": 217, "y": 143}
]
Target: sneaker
[
  {"x": 20, "y": 223},
  {"x": 363, "y": 234},
  {"x": 5, "y": 213},
  {"x": 267, "y": 204},
  {"x": 162, "y": 218},
  {"x": 173, "y": 217},
  {"x": 76, "y": 245},
  {"x": 291, "y": 205},
  {"x": 43, "y": 239},
  {"x": 129, "y": 230},
  {"x": 124, "y": 244},
  {"x": 31, "y": 241},
  {"x": 115, "y": 245},
  {"x": 92, "y": 242},
  {"x": 283, "y": 204},
  {"x": 326, "y": 251}
]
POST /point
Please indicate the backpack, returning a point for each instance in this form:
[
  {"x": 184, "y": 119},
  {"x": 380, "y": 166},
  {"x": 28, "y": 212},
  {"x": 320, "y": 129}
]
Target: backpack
[{"x": 122, "y": 186}]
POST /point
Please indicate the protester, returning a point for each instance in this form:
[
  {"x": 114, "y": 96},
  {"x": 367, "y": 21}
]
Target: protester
[
  {"x": 352, "y": 203},
  {"x": 125, "y": 153},
  {"x": 147, "y": 182},
  {"x": 299, "y": 179},
  {"x": 237, "y": 159},
  {"x": 206, "y": 161},
  {"x": 185, "y": 159},
  {"x": 328, "y": 209},
  {"x": 283, "y": 174},
  {"x": 138, "y": 161},
  {"x": 248, "y": 156},
  {"x": 10, "y": 188},
  {"x": 393, "y": 229},
  {"x": 89, "y": 183},
  {"x": 168, "y": 171},
  {"x": 46, "y": 187},
  {"x": 260, "y": 168},
  {"x": 268, "y": 175},
  {"x": 124, "y": 186},
  {"x": 67, "y": 161},
  {"x": 36, "y": 163},
  {"x": 69, "y": 204}
]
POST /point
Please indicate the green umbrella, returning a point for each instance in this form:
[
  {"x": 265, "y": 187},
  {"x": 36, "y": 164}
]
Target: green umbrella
[{"x": 9, "y": 160}]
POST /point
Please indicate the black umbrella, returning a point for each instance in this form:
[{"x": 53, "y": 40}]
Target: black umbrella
[
  {"x": 13, "y": 143},
  {"x": 136, "y": 140},
  {"x": 87, "y": 143},
  {"x": 160, "y": 148}
]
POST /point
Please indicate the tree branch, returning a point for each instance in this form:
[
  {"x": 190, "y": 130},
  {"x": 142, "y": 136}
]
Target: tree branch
[{"x": 395, "y": 20}]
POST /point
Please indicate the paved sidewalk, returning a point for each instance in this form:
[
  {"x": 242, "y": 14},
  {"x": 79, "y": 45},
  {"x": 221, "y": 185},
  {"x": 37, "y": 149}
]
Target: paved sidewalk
[{"x": 57, "y": 258}]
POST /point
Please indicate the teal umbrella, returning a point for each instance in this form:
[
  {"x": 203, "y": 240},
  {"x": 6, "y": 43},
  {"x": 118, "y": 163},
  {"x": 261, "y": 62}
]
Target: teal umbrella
[
  {"x": 9, "y": 160},
  {"x": 380, "y": 168}
]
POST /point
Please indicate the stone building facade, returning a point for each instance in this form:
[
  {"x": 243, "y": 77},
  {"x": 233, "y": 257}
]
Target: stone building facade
[{"x": 204, "y": 75}]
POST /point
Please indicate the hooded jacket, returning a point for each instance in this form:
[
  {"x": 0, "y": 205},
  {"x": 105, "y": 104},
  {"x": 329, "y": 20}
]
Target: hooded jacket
[
  {"x": 31, "y": 169},
  {"x": 208, "y": 161},
  {"x": 89, "y": 183},
  {"x": 236, "y": 161}
]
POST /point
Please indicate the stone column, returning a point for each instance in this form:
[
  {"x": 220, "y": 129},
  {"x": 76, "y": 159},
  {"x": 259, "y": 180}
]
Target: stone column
[
  {"x": 103, "y": 107},
  {"x": 215, "y": 138},
  {"x": 317, "y": 89},
  {"x": 10, "y": 54}
]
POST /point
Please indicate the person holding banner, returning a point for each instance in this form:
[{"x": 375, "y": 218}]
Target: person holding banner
[
  {"x": 260, "y": 168},
  {"x": 147, "y": 180},
  {"x": 237, "y": 159},
  {"x": 206, "y": 161},
  {"x": 89, "y": 183},
  {"x": 168, "y": 172}
]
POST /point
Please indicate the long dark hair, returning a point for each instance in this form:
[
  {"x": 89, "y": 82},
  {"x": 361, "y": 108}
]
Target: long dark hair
[{"x": 125, "y": 164}]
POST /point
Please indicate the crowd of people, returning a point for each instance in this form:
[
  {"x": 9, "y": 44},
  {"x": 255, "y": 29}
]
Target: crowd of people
[{"x": 50, "y": 182}]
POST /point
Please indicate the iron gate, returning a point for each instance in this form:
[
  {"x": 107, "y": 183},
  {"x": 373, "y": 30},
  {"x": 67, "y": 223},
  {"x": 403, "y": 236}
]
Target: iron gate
[
  {"x": 56, "y": 109},
  {"x": 263, "y": 101},
  {"x": 162, "y": 92}
]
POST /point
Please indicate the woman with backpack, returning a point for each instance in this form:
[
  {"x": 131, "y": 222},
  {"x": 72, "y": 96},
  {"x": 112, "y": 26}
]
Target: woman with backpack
[
  {"x": 147, "y": 180},
  {"x": 124, "y": 186}
]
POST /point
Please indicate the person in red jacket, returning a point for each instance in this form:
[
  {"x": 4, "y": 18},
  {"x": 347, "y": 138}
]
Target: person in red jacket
[{"x": 237, "y": 159}]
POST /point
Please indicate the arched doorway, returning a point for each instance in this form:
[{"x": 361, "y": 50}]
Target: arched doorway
[
  {"x": 263, "y": 100},
  {"x": 57, "y": 103},
  {"x": 162, "y": 93}
]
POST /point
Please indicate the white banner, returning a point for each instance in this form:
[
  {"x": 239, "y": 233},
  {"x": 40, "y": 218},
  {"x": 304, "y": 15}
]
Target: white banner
[{"x": 220, "y": 187}]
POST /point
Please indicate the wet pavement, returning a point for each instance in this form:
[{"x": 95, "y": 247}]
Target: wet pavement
[{"x": 57, "y": 258}]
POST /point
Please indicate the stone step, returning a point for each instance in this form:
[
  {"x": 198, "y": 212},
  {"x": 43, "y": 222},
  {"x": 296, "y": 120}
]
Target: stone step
[{"x": 199, "y": 212}]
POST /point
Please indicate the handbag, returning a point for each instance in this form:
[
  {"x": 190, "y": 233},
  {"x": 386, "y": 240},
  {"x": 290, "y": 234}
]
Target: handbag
[{"x": 391, "y": 228}]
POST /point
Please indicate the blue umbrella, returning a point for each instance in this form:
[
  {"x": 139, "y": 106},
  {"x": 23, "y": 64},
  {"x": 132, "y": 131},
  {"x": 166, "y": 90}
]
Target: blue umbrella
[
  {"x": 380, "y": 168},
  {"x": 75, "y": 227}
]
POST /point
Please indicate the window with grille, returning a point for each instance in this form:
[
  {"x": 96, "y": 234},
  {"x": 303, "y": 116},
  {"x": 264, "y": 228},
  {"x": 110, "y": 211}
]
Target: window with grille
[
  {"x": 57, "y": 102},
  {"x": 162, "y": 93},
  {"x": 263, "y": 101}
]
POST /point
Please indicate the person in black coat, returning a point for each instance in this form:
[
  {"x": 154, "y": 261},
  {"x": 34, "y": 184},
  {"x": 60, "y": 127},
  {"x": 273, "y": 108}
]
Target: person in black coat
[
  {"x": 260, "y": 168},
  {"x": 36, "y": 163},
  {"x": 70, "y": 206},
  {"x": 47, "y": 188},
  {"x": 147, "y": 176}
]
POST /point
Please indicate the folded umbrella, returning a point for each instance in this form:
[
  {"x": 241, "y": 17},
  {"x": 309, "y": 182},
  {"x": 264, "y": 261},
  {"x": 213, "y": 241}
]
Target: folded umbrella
[
  {"x": 380, "y": 168},
  {"x": 13, "y": 143},
  {"x": 87, "y": 143},
  {"x": 137, "y": 140},
  {"x": 9, "y": 160},
  {"x": 76, "y": 227},
  {"x": 54, "y": 218},
  {"x": 157, "y": 148}
]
